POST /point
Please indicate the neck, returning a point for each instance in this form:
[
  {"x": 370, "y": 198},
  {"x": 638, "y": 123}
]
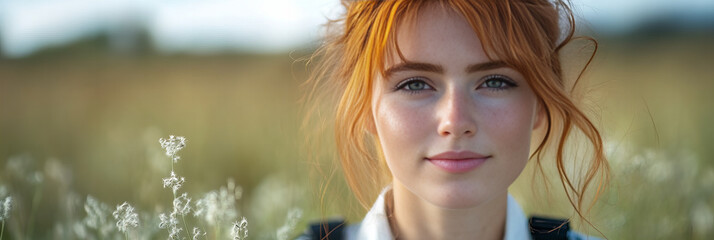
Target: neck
[{"x": 414, "y": 218}]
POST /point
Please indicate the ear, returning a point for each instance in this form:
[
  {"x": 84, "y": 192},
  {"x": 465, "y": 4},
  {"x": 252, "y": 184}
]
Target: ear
[{"x": 540, "y": 115}]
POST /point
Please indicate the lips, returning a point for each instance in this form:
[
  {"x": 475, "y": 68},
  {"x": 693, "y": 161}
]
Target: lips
[
  {"x": 457, "y": 155},
  {"x": 458, "y": 162}
]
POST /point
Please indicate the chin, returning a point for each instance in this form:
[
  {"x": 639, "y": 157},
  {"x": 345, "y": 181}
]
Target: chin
[{"x": 458, "y": 197}]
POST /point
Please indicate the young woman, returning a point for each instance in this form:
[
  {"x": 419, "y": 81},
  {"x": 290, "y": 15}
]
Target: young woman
[{"x": 436, "y": 103}]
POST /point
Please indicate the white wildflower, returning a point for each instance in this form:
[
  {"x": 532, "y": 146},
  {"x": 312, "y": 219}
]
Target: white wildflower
[
  {"x": 240, "y": 229},
  {"x": 80, "y": 230},
  {"x": 231, "y": 188},
  {"x": 126, "y": 217},
  {"x": 5, "y": 207},
  {"x": 702, "y": 219},
  {"x": 293, "y": 216},
  {"x": 98, "y": 216},
  {"x": 170, "y": 222},
  {"x": 174, "y": 182},
  {"x": 37, "y": 177},
  {"x": 24, "y": 167},
  {"x": 172, "y": 145},
  {"x": 164, "y": 221},
  {"x": 197, "y": 233},
  {"x": 174, "y": 233},
  {"x": 217, "y": 207},
  {"x": 182, "y": 204}
]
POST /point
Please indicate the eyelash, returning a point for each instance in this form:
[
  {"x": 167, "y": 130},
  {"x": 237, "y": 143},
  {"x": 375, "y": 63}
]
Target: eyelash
[
  {"x": 508, "y": 83},
  {"x": 403, "y": 84}
]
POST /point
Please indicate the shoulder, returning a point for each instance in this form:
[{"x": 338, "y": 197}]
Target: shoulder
[
  {"x": 351, "y": 232},
  {"x": 544, "y": 228},
  {"x": 374, "y": 226},
  {"x": 338, "y": 229},
  {"x": 333, "y": 229}
]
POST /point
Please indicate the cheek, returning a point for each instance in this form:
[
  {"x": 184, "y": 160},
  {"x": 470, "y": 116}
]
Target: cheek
[
  {"x": 509, "y": 125},
  {"x": 400, "y": 126}
]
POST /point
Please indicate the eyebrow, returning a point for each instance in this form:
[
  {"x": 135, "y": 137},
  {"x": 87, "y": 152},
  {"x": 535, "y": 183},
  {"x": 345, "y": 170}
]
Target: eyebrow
[
  {"x": 428, "y": 67},
  {"x": 485, "y": 66},
  {"x": 414, "y": 66}
]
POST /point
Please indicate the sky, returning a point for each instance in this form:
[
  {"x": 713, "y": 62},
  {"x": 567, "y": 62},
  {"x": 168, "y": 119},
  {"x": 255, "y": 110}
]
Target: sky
[
  {"x": 208, "y": 26},
  {"x": 622, "y": 15}
]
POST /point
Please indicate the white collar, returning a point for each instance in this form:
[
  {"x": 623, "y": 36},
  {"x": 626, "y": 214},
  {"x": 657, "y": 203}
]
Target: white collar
[{"x": 375, "y": 226}]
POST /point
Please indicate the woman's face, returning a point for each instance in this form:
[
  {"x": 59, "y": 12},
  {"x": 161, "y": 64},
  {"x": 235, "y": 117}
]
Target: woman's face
[{"x": 454, "y": 126}]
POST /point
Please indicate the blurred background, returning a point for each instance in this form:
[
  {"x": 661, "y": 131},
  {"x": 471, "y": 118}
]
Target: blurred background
[{"x": 88, "y": 87}]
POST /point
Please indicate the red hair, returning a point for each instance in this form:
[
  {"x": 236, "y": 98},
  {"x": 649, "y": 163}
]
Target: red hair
[{"x": 525, "y": 34}]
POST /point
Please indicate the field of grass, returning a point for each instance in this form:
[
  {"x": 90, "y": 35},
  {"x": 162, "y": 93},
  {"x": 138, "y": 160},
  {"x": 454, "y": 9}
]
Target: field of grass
[{"x": 78, "y": 122}]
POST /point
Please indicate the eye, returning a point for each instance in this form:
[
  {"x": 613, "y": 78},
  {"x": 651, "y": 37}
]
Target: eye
[
  {"x": 497, "y": 82},
  {"x": 413, "y": 85}
]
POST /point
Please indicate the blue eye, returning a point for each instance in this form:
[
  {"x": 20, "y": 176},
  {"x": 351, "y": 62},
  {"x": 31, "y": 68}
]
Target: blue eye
[
  {"x": 413, "y": 85},
  {"x": 497, "y": 83}
]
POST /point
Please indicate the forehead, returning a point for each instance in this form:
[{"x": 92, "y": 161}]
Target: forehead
[{"x": 437, "y": 35}]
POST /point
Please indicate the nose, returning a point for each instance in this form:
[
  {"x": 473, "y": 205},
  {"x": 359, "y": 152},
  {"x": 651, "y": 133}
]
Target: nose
[{"x": 456, "y": 116}]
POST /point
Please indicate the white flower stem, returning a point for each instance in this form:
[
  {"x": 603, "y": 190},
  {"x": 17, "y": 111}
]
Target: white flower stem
[
  {"x": 184, "y": 225},
  {"x": 2, "y": 229},
  {"x": 35, "y": 202},
  {"x": 183, "y": 218},
  {"x": 172, "y": 163}
]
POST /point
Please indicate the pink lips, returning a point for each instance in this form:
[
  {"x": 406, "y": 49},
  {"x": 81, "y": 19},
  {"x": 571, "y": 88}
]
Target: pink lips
[{"x": 458, "y": 162}]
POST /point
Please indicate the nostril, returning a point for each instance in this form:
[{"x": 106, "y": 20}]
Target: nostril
[{"x": 456, "y": 131}]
